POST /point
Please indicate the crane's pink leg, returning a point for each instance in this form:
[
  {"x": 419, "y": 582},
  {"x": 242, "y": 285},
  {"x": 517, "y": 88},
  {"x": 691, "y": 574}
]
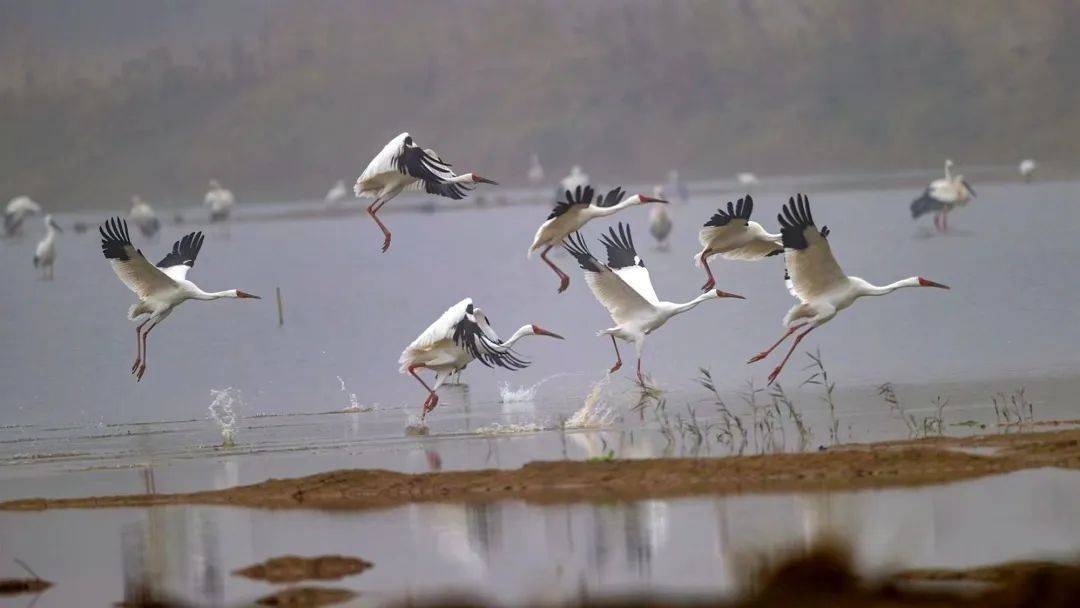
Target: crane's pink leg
[
  {"x": 945, "y": 220},
  {"x": 433, "y": 398},
  {"x": 776, "y": 372},
  {"x": 138, "y": 345},
  {"x": 564, "y": 280},
  {"x": 618, "y": 357},
  {"x": 142, "y": 364},
  {"x": 768, "y": 351},
  {"x": 372, "y": 209},
  {"x": 640, "y": 378},
  {"x": 708, "y": 271}
]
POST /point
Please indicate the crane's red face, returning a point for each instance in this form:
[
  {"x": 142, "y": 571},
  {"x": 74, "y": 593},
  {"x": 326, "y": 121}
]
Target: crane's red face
[
  {"x": 724, "y": 294},
  {"x": 484, "y": 180},
  {"x": 244, "y": 294},
  {"x": 651, "y": 199},
  {"x": 540, "y": 331},
  {"x": 928, "y": 283}
]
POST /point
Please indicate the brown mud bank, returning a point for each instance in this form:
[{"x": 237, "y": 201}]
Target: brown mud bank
[{"x": 850, "y": 467}]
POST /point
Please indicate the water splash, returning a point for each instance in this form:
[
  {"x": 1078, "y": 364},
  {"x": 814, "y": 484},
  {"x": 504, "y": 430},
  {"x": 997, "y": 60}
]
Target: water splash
[
  {"x": 223, "y": 411},
  {"x": 354, "y": 403},
  {"x": 509, "y": 394},
  {"x": 595, "y": 412}
]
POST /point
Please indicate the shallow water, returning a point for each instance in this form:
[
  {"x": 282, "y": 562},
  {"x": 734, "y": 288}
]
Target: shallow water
[
  {"x": 72, "y": 411},
  {"x": 513, "y": 551}
]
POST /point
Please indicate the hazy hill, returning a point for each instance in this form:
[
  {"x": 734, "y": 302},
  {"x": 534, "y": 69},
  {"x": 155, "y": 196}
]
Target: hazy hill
[{"x": 99, "y": 100}]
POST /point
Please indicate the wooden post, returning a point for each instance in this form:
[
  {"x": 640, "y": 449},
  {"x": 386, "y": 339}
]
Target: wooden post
[{"x": 280, "y": 309}]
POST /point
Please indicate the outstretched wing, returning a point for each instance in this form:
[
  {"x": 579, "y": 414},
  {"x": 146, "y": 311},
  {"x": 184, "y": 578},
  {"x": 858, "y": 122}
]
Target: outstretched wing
[
  {"x": 810, "y": 261},
  {"x": 579, "y": 196},
  {"x": 733, "y": 235},
  {"x": 129, "y": 264},
  {"x": 177, "y": 262},
  {"x": 625, "y": 262},
  {"x": 622, "y": 301},
  {"x": 474, "y": 334},
  {"x": 612, "y": 198}
]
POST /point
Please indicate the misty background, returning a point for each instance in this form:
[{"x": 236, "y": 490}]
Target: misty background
[{"x": 99, "y": 100}]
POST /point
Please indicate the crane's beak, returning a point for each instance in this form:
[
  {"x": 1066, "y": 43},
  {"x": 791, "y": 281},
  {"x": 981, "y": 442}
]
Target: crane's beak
[
  {"x": 244, "y": 294},
  {"x": 540, "y": 331},
  {"x": 651, "y": 199},
  {"x": 484, "y": 180},
  {"x": 970, "y": 189},
  {"x": 56, "y": 227},
  {"x": 928, "y": 283},
  {"x": 724, "y": 294}
]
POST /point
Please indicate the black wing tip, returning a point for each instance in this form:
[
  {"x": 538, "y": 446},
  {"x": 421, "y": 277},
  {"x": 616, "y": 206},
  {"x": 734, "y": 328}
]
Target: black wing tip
[
  {"x": 620, "y": 247},
  {"x": 575, "y": 245},
  {"x": 741, "y": 209},
  {"x": 794, "y": 219},
  {"x": 114, "y": 238}
]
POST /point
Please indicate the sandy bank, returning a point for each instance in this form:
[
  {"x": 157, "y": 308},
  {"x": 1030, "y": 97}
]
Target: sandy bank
[{"x": 886, "y": 464}]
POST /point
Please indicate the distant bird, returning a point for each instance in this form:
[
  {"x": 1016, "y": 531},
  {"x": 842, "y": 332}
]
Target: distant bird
[
  {"x": 16, "y": 212},
  {"x": 731, "y": 234},
  {"x": 160, "y": 288},
  {"x": 45, "y": 254},
  {"x": 536, "y": 170},
  {"x": 746, "y": 179},
  {"x": 678, "y": 186},
  {"x": 402, "y": 166},
  {"x": 220, "y": 201},
  {"x": 659, "y": 220},
  {"x": 1027, "y": 169},
  {"x": 143, "y": 216},
  {"x": 625, "y": 289},
  {"x": 942, "y": 196},
  {"x": 337, "y": 193},
  {"x": 816, "y": 280},
  {"x": 462, "y": 334},
  {"x": 577, "y": 177},
  {"x": 574, "y": 212}
]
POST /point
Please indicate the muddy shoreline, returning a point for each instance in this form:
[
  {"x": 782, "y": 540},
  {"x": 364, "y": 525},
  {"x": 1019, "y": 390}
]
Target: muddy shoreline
[{"x": 850, "y": 467}]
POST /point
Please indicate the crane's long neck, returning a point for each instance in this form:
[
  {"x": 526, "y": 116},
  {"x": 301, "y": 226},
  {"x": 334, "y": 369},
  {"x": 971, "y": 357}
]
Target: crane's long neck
[
  {"x": 948, "y": 170},
  {"x": 881, "y": 290},
  {"x": 524, "y": 330},
  {"x": 623, "y": 204},
  {"x": 199, "y": 294},
  {"x": 677, "y": 309}
]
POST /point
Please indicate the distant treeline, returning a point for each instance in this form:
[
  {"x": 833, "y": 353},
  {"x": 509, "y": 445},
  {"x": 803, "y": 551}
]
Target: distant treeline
[{"x": 281, "y": 99}]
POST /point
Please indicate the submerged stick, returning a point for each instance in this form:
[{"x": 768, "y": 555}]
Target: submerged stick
[{"x": 280, "y": 309}]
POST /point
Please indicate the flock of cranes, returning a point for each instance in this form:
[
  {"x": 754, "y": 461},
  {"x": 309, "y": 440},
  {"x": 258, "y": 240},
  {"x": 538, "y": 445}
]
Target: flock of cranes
[{"x": 620, "y": 281}]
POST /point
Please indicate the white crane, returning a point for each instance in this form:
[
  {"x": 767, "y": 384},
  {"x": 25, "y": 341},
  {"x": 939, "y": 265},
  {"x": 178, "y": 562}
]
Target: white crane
[
  {"x": 660, "y": 221},
  {"x": 45, "y": 254},
  {"x": 576, "y": 178},
  {"x": 160, "y": 288},
  {"x": 336, "y": 193},
  {"x": 16, "y": 212},
  {"x": 816, "y": 280},
  {"x": 733, "y": 235},
  {"x": 402, "y": 166},
  {"x": 941, "y": 196},
  {"x": 746, "y": 179},
  {"x": 625, "y": 289},
  {"x": 536, "y": 170},
  {"x": 574, "y": 212},
  {"x": 220, "y": 201},
  {"x": 1027, "y": 169},
  {"x": 462, "y": 334},
  {"x": 143, "y": 216}
]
